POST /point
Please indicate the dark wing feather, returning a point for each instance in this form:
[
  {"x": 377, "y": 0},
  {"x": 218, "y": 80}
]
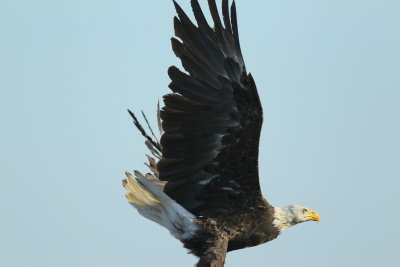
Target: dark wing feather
[
  {"x": 213, "y": 119},
  {"x": 211, "y": 122}
]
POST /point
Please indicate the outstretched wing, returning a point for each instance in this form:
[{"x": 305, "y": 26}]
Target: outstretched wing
[{"x": 212, "y": 120}]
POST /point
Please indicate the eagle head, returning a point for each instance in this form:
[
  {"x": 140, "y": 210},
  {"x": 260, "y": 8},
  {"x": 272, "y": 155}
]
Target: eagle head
[{"x": 288, "y": 216}]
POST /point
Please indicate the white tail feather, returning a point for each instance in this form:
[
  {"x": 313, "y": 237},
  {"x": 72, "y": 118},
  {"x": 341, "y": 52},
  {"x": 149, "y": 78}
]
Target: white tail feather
[{"x": 155, "y": 205}]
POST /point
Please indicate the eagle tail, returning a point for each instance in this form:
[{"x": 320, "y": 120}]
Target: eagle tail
[{"x": 151, "y": 202}]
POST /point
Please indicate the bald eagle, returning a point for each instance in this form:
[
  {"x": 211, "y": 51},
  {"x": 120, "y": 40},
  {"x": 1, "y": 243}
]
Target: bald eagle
[{"x": 204, "y": 184}]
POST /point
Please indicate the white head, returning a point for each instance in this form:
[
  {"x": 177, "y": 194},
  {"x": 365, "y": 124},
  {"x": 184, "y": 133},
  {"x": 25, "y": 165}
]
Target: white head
[{"x": 292, "y": 215}]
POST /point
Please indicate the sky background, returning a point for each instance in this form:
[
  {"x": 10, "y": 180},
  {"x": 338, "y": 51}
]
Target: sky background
[{"x": 328, "y": 74}]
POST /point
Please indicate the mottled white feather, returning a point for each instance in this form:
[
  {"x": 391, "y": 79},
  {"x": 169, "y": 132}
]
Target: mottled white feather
[{"x": 157, "y": 206}]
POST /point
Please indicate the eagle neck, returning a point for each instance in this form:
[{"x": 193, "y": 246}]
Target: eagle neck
[{"x": 283, "y": 218}]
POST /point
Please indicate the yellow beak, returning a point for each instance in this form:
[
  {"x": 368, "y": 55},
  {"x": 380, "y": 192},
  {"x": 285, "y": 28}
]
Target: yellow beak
[{"x": 312, "y": 215}]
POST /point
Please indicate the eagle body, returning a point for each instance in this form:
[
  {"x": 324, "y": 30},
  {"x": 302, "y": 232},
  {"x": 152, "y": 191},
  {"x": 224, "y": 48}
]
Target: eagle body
[
  {"x": 249, "y": 228},
  {"x": 204, "y": 182}
]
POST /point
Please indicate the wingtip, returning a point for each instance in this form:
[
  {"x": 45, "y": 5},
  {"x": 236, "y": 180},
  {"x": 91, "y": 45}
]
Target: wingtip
[
  {"x": 178, "y": 8},
  {"x": 195, "y": 5},
  {"x": 233, "y": 6}
]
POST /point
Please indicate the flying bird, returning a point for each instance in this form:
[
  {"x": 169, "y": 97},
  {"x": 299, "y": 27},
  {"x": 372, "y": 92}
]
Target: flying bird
[{"x": 204, "y": 181}]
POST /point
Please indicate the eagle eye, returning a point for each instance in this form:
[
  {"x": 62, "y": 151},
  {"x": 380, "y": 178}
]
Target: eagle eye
[{"x": 304, "y": 210}]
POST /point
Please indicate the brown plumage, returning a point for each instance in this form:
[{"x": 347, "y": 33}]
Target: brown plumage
[{"x": 207, "y": 157}]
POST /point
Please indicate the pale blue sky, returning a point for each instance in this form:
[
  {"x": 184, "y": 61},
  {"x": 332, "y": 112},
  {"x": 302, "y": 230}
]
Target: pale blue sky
[{"x": 328, "y": 74}]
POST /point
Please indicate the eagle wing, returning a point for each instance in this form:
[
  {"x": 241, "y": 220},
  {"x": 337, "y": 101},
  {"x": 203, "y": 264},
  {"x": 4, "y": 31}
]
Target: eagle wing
[{"x": 211, "y": 123}]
